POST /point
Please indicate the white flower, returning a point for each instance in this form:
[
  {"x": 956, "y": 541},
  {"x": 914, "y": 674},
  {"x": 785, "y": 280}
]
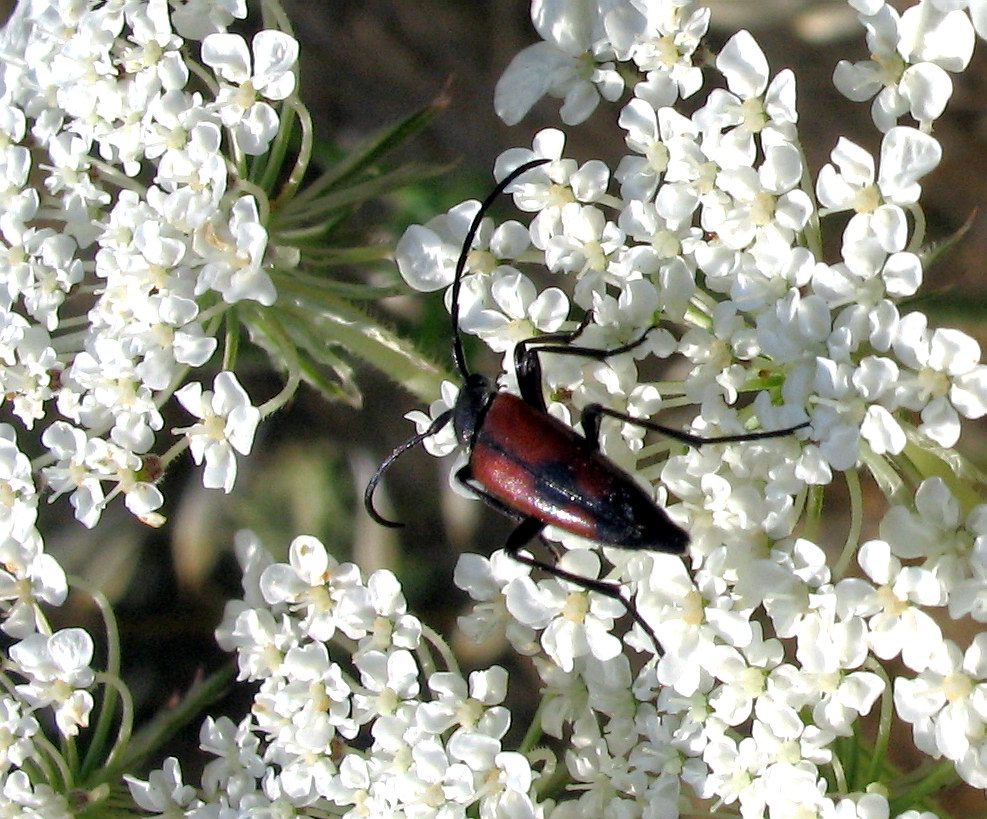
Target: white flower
[
  {"x": 389, "y": 679},
  {"x": 948, "y": 378},
  {"x": 18, "y": 497},
  {"x": 29, "y": 578},
  {"x": 662, "y": 41},
  {"x": 517, "y": 311},
  {"x": 571, "y": 64},
  {"x": 750, "y": 106},
  {"x": 58, "y": 674},
  {"x": 227, "y": 424},
  {"x": 945, "y": 705},
  {"x": 476, "y": 707},
  {"x": 897, "y": 622},
  {"x": 18, "y": 731},
  {"x": 197, "y": 18},
  {"x": 266, "y": 73},
  {"x": 74, "y": 472},
  {"x": 311, "y": 583},
  {"x": 575, "y": 622},
  {"x": 235, "y": 747},
  {"x": 21, "y": 797},
  {"x": 163, "y": 790},
  {"x": 260, "y": 639},
  {"x": 233, "y": 250},
  {"x": 910, "y": 55},
  {"x": 426, "y": 254},
  {"x": 507, "y": 789},
  {"x": 485, "y": 580},
  {"x": 906, "y": 156}
]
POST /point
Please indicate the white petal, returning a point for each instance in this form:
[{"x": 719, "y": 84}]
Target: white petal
[
  {"x": 927, "y": 88},
  {"x": 906, "y": 156},
  {"x": 275, "y": 55},
  {"x": 744, "y": 65},
  {"x": 969, "y": 393},
  {"x": 527, "y": 78},
  {"x": 857, "y": 81},
  {"x": 228, "y": 55},
  {"x": 875, "y": 558},
  {"x": 567, "y": 24},
  {"x": 882, "y": 431}
]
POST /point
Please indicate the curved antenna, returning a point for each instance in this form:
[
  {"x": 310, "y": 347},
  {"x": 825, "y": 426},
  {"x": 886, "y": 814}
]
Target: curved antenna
[
  {"x": 458, "y": 357},
  {"x": 368, "y": 493}
]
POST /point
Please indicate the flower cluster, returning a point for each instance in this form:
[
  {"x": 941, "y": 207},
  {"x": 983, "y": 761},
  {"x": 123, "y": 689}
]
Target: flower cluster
[
  {"x": 141, "y": 146},
  {"x": 141, "y": 143},
  {"x": 432, "y": 742},
  {"x": 710, "y": 228},
  {"x": 125, "y": 236}
]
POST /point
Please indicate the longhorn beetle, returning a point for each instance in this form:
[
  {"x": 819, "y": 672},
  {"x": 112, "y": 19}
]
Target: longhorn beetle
[{"x": 532, "y": 467}]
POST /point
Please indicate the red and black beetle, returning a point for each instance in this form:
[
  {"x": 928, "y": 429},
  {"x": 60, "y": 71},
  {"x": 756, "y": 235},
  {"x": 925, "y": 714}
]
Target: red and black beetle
[{"x": 532, "y": 467}]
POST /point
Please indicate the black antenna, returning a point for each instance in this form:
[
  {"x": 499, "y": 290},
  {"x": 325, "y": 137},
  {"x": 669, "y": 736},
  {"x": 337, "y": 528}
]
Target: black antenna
[
  {"x": 457, "y": 343},
  {"x": 458, "y": 357}
]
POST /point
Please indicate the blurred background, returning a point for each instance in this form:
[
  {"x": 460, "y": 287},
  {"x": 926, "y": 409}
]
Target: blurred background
[{"x": 364, "y": 65}]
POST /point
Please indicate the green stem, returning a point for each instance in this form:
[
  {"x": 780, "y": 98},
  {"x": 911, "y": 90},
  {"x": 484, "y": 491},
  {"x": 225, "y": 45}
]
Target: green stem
[
  {"x": 124, "y": 732},
  {"x": 231, "y": 340},
  {"x": 59, "y": 776},
  {"x": 813, "y": 513},
  {"x": 839, "y": 774},
  {"x": 152, "y": 737},
  {"x": 918, "y": 235},
  {"x": 856, "y": 523},
  {"x": 533, "y": 735},
  {"x": 884, "y": 474},
  {"x": 272, "y": 405},
  {"x": 275, "y": 157},
  {"x": 448, "y": 658},
  {"x": 884, "y": 724},
  {"x": 304, "y": 154},
  {"x": 107, "y": 709},
  {"x": 943, "y": 776},
  {"x": 813, "y": 230}
]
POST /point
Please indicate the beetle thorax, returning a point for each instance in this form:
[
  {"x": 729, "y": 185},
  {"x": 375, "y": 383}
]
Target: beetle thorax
[{"x": 471, "y": 405}]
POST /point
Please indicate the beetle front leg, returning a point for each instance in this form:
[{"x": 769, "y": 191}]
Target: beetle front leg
[{"x": 527, "y": 365}]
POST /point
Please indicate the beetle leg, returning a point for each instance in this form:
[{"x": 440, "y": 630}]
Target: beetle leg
[
  {"x": 531, "y": 528},
  {"x": 592, "y": 414},
  {"x": 528, "y": 366},
  {"x": 528, "y": 530},
  {"x": 465, "y": 477}
]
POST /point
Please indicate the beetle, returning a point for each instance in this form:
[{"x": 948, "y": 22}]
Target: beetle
[{"x": 534, "y": 468}]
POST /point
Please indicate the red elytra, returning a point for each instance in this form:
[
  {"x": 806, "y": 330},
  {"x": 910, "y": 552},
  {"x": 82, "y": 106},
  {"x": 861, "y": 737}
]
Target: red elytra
[{"x": 538, "y": 467}]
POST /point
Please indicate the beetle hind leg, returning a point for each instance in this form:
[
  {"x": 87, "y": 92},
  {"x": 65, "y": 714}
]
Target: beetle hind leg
[
  {"x": 531, "y": 528},
  {"x": 592, "y": 415},
  {"x": 528, "y": 530}
]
